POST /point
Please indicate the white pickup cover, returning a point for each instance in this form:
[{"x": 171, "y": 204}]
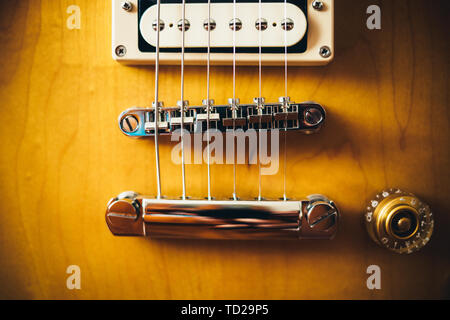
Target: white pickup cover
[
  {"x": 222, "y": 35},
  {"x": 317, "y": 26}
]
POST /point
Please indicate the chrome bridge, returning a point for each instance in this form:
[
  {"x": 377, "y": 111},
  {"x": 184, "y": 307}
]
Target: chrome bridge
[
  {"x": 307, "y": 117},
  {"x": 130, "y": 214}
]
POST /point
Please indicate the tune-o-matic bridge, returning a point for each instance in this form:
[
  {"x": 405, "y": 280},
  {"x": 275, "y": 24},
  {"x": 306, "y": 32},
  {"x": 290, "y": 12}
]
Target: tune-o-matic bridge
[
  {"x": 130, "y": 214},
  {"x": 307, "y": 117}
]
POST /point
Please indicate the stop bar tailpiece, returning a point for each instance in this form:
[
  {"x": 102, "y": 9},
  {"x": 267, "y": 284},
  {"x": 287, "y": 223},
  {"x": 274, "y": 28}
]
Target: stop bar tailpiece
[{"x": 130, "y": 214}]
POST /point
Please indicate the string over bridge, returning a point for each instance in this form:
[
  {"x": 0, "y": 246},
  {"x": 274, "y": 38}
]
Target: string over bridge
[{"x": 307, "y": 117}]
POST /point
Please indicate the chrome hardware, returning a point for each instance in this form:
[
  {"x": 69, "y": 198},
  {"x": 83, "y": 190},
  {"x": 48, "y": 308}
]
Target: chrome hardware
[
  {"x": 321, "y": 213},
  {"x": 263, "y": 117},
  {"x": 174, "y": 116},
  {"x": 130, "y": 195},
  {"x": 124, "y": 211},
  {"x": 399, "y": 221},
  {"x": 155, "y": 25},
  {"x": 183, "y": 104},
  {"x": 208, "y": 104},
  {"x": 261, "y": 24},
  {"x": 285, "y": 102},
  {"x": 202, "y": 219},
  {"x": 121, "y": 51},
  {"x": 236, "y": 22},
  {"x": 187, "y": 25},
  {"x": 160, "y": 104},
  {"x": 127, "y": 6},
  {"x": 287, "y": 24},
  {"x": 205, "y": 102},
  {"x": 307, "y": 117},
  {"x": 150, "y": 117},
  {"x": 287, "y": 116},
  {"x": 234, "y": 103},
  {"x": 212, "y": 24},
  {"x": 129, "y": 123},
  {"x": 312, "y": 117},
  {"x": 259, "y": 101},
  {"x": 325, "y": 52},
  {"x": 317, "y": 5}
]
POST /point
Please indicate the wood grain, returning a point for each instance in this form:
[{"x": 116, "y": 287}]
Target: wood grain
[{"x": 62, "y": 157}]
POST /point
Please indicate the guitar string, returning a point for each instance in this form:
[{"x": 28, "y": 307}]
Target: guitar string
[
  {"x": 207, "y": 100},
  {"x": 234, "y": 106},
  {"x": 285, "y": 51},
  {"x": 259, "y": 103},
  {"x": 156, "y": 106},
  {"x": 208, "y": 95},
  {"x": 183, "y": 14},
  {"x": 286, "y": 95}
]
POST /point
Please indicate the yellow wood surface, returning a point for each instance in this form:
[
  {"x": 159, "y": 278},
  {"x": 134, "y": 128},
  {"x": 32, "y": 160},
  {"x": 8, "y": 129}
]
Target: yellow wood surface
[{"x": 62, "y": 158}]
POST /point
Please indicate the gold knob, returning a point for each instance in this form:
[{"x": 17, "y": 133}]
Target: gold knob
[{"x": 399, "y": 221}]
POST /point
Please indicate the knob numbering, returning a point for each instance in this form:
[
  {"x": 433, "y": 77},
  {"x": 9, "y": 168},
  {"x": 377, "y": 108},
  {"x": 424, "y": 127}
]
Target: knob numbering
[{"x": 399, "y": 221}]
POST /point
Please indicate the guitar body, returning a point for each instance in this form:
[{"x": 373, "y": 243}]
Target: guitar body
[{"x": 63, "y": 157}]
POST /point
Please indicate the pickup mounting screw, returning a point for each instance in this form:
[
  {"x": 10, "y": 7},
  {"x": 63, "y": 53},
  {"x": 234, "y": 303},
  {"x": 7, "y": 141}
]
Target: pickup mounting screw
[
  {"x": 127, "y": 6},
  {"x": 318, "y": 5},
  {"x": 121, "y": 51},
  {"x": 129, "y": 124},
  {"x": 325, "y": 52}
]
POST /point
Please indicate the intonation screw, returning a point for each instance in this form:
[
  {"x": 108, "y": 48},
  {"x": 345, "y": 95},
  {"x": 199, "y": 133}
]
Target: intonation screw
[
  {"x": 127, "y": 6},
  {"x": 160, "y": 105},
  {"x": 234, "y": 103},
  {"x": 325, "y": 52},
  {"x": 285, "y": 102},
  {"x": 129, "y": 124},
  {"x": 205, "y": 102},
  {"x": 318, "y": 5},
  {"x": 259, "y": 101},
  {"x": 210, "y": 104},
  {"x": 121, "y": 51}
]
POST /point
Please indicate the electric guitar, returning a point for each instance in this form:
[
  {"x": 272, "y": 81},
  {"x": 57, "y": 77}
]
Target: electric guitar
[{"x": 293, "y": 123}]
